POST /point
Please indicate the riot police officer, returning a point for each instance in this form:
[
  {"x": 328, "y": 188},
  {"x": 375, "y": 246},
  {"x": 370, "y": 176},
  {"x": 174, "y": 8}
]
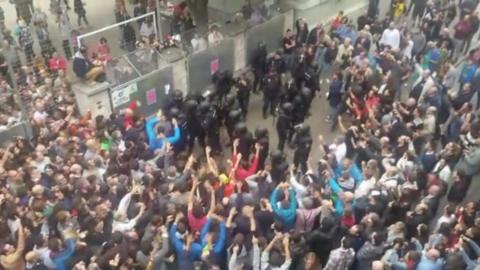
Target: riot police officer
[
  {"x": 223, "y": 83},
  {"x": 233, "y": 118},
  {"x": 307, "y": 96},
  {"x": 277, "y": 62},
  {"x": 289, "y": 91},
  {"x": 298, "y": 111},
  {"x": 175, "y": 100},
  {"x": 298, "y": 71},
  {"x": 259, "y": 64},
  {"x": 279, "y": 164},
  {"x": 312, "y": 78},
  {"x": 243, "y": 93},
  {"x": 284, "y": 124},
  {"x": 194, "y": 129},
  {"x": 271, "y": 92},
  {"x": 245, "y": 138},
  {"x": 208, "y": 117},
  {"x": 302, "y": 142}
]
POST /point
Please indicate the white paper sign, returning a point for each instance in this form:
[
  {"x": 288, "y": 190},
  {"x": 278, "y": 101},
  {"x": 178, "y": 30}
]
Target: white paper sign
[
  {"x": 167, "y": 88},
  {"x": 122, "y": 96}
]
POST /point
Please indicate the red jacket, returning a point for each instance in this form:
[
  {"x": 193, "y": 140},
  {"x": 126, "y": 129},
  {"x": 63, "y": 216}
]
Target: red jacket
[
  {"x": 463, "y": 29},
  {"x": 56, "y": 64},
  {"x": 242, "y": 173}
]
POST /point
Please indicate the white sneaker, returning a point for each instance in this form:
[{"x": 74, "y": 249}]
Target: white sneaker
[
  {"x": 328, "y": 81},
  {"x": 321, "y": 81}
]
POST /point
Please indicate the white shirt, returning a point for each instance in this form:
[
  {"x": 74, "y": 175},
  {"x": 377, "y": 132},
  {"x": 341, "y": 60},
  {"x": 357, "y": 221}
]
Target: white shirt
[
  {"x": 198, "y": 44},
  {"x": 340, "y": 151},
  {"x": 365, "y": 187},
  {"x": 445, "y": 219},
  {"x": 407, "y": 52},
  {"x": 391, "y": 38},
  {"x": 40, "y": 117},
  {"x": 146, "y": 30},
  {"x": 44, "y": 254}
]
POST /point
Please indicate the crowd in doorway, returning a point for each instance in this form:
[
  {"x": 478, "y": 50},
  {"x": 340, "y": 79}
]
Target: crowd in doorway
[{"x": 391, "y": 191}]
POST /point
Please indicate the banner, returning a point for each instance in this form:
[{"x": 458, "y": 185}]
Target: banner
[{"x": 122, "y": 95}]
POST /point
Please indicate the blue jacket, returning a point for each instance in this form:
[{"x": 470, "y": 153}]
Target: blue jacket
[
  {"x": 81, "y": 66},
  {"x": 354, "y": 172},
  {"x": 62, "y": 258},
  {"x": 287, "y": 216},
  {"x": 219, "y": 245},
  {"x": 185, "y": 258},
  {"x": 468, "y": 73},
  {"x": 336, "y": 189},
  {"x": 157, "y": 143},
  {"x": 427, "y": 264}
]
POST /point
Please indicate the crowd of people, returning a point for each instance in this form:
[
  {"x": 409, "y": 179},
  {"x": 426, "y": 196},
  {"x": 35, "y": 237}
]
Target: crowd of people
[
  {"x": 125, "y": 191},
  {"x": 33, "y": 69}
]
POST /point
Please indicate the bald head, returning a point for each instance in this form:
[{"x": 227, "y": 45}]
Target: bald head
[{"x": 377, "y": 265}]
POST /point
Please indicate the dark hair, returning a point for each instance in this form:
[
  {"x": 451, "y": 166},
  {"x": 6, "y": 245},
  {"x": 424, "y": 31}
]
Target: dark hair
[
  {"x": 157, "y": 220},
  {"x": 117, "y": 238},
  {"x": 198, "y": 211},
  {"x": 54, "y": 244},
  {"x": 160, "y": 129},
  {"x": 346, "y": 242}
]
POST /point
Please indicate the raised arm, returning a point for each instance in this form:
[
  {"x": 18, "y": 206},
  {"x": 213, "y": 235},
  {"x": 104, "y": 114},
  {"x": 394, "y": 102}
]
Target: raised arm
[
  {"x": 264, "y": 260},
  {"x": 295, "y": 184},
  {"x": 212, "y": 200},
  {"x": 62, "y": 258},
  {"x": 288, "y": 256},
  {"x": 176, "y": 242},
  {"x": 254, "y": 166},
  {"x": 149, "y": 126},
  {"x": 159, "y": 254},
  {"x": 124, "y": 202},
  {"x": 236, "y": 143},
  {"x": 273, "y": 199},
  {"x": 20, "y": 245},
  {"x": 231, "y": 215},
  {"x": 212, "y": 165},
  {"x": 204, "y": 231},
  {"x": 473, "y": 245},
  {"x": 293, "y": 202},
  {"x": 222, "y": 237},
  {"x": 256, "y": 254},
  {"x": 232, "y": 263},
  {"x": 191, "y": 196},
  {"x": 176, "y": 135}
]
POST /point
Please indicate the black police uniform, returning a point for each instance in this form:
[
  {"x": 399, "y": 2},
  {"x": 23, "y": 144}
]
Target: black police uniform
[
  {"x": 284, "y": 125},
  {"x": 243, "y": 94},
  {"x": 262, "y": 138},
  {"x": 303, "y": 144},
  {"x": 271, "y": 93},
  {"x": 259, "y": 65}
]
